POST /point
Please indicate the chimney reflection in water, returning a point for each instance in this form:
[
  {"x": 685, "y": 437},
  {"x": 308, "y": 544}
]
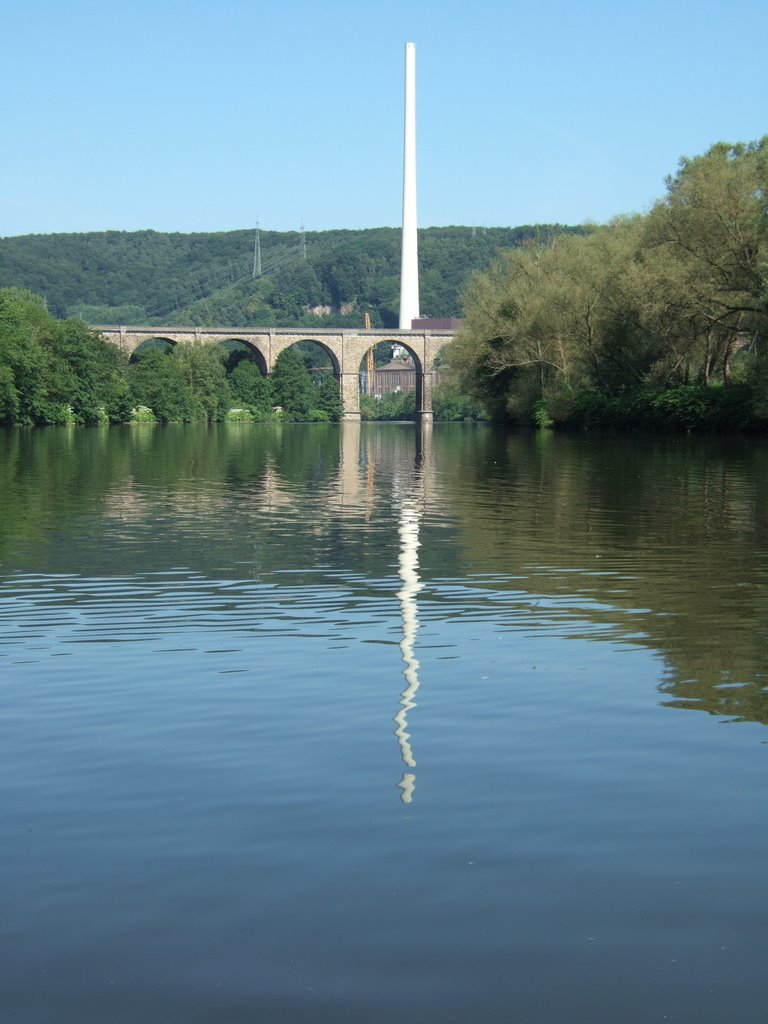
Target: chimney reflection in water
[{"x": 411, "y": 585}]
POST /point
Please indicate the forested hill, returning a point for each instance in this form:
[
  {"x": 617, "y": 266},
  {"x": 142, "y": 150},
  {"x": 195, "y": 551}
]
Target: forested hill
[{"x": 326, "y": 278}]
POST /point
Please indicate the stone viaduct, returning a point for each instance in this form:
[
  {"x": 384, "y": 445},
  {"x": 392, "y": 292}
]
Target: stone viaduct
[{"x": 346, "y": 348}]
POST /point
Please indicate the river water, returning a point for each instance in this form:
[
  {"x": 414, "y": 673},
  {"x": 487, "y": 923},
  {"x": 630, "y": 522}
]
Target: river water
[{"x": 362, "y": 724}]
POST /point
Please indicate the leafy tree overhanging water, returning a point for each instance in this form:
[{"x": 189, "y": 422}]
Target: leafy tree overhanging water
[{"x": 658, "y": 320}]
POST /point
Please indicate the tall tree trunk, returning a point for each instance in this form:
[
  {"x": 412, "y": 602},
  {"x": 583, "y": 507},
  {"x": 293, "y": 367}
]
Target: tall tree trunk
[
  {"x": 708, "y": 359},
  {"x": 727, "y": 359}
]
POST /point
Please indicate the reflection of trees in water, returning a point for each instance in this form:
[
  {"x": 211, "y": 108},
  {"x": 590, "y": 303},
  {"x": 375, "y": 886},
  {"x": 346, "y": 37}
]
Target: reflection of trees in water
[
  {"x": 664, "y": 543},
  {"x": 671, "y": 534}
]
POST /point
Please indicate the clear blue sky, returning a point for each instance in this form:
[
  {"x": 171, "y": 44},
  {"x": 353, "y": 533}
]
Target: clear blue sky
[{"x": 204, "y": 116}]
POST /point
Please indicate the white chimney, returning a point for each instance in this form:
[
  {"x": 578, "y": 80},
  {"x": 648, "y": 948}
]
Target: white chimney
[{"x": 409, "y": 267}]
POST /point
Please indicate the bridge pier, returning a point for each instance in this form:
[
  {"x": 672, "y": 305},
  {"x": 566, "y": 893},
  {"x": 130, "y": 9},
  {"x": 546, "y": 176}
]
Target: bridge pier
[
  {"x": 424, "y": 396},
  {"x": 349, "y": 386}
]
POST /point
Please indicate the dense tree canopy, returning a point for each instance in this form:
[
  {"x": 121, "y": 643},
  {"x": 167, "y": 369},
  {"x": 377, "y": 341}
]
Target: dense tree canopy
[
  {"x": 635, "y": 319},
  {"x": 56, "y": 372}
]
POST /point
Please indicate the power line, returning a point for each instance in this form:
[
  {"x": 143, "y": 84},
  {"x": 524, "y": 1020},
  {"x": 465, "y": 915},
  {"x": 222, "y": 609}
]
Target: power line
[
  {"x": 264, "y": 264},
  {"x": 275, "y": 261}
]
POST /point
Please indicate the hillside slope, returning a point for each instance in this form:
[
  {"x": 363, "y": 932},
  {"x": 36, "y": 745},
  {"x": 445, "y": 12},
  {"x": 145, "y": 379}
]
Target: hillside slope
[{"x": 207, "y": 278}]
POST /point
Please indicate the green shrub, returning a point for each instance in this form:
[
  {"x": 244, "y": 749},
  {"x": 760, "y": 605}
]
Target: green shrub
[
  {"x": 541, "y": 416},
  {"x": 240, "y": 416},
  {"x": 143, "y": 414}
]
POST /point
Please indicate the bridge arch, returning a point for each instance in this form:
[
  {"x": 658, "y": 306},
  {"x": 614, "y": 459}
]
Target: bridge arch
[
  {"x": 418, "y": 361},
  {"x": 247, "y": 349},
  {"x": 283, "y": 344},
  {"x": 400, "y": 376},
  {"x": 152, "y": 344}
]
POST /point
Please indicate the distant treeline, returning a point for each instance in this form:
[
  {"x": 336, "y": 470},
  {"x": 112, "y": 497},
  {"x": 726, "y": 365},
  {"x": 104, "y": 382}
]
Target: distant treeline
[
  {"x": 325, "y": 278},
  {"x": 657, "y": 321}
]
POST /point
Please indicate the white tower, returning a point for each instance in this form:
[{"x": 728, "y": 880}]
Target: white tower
[{"x": 409, "y": 267}]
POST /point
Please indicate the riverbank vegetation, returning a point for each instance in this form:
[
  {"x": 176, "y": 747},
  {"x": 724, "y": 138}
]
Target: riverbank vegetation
[
  {"x": 658, "y": 320},
  {"x": 447, "y": 404}
]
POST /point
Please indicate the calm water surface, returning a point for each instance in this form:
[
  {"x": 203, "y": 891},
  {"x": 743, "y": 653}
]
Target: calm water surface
[{"x": 311, "y": 724}]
